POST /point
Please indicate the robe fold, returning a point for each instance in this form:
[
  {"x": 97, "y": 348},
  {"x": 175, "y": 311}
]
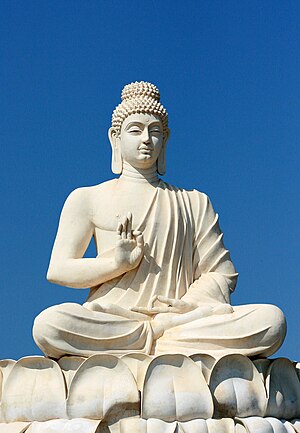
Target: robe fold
[{"x": 184, "y": 258}]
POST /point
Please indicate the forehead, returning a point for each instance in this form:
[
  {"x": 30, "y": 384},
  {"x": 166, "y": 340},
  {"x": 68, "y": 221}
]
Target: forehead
[{"x": 143, "y": 118}]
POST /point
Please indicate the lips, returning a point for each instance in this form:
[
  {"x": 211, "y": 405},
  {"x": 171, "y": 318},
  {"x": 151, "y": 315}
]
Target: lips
[{"x": 146, "y": 150}]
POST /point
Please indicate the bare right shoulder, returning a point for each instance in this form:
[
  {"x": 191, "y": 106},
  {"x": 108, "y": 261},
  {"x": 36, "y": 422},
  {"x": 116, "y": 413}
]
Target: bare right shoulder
[{"x": 82, "y": 201}]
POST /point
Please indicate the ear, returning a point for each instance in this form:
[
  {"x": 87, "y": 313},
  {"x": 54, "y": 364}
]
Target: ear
[
  {"x": 166, "y": 136},
  {"x": 116, "y": 161},
  {"x": 161, "y": 161}
]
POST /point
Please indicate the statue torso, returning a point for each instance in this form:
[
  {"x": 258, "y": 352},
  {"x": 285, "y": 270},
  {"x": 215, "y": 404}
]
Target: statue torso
[{"x": 110, "y": 202}]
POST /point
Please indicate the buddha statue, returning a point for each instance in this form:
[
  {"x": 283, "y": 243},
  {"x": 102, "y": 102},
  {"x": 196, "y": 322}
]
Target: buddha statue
[{"x": 162, "y": 279}]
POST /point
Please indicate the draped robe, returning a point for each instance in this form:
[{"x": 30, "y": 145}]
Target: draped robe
[{"x": 184, "y": 258}]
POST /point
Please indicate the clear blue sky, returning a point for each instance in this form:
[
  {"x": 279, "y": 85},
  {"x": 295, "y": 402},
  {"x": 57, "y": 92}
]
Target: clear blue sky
[{"x": 228, "y": 72}]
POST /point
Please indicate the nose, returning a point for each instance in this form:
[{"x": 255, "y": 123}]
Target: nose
[{"x": 146, "y": 135}]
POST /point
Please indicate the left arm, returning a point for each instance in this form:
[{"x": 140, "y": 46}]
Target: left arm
[{"x": 214, "y": 274}]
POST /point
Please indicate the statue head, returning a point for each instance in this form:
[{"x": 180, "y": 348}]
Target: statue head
[{"x": 140, "y": 112}]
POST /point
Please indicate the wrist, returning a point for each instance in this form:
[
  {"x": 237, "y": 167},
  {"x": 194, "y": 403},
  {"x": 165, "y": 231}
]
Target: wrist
[{"x": 121, "y": 267}]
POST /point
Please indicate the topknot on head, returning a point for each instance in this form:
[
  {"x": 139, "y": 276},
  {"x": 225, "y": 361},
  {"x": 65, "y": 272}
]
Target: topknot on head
[
  {"x": 139, "y": 97},
  {"x": 140, "y": 89}
]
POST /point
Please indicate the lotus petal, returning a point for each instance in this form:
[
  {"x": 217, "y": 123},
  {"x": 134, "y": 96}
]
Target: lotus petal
[
  {"x": 266, "y": 425},
  {"x": 283, "y": 388},
  {"x": 278, "y": 426},
  {"x": 34, "y": 391},
  {"x": 239, "y": 428},
  {"x": 69, "y": 365},
  {"x": 137, "y": 364},
  {"x": 6, "y": 365},
  {"x": 298, "y": 369},
  {"x": 205, "y": 362},
  {"x": 237, "y": 388},
  {"x": 175, "y": 390},
  {"x": 78, "y": 425},
  {"x": 133, "y": 425},
  {"x": 256, "y": 424},
  {"x": 194, "y": 426},
  {"x": 139, "y": 425},
  {"x": 159, "y": 426},
  {"x": 14, "y": 427},
  {"x": 296, "y": 424},
  {"x": 102, "y": 385},
  {"x": 262, "y": 366},
  {"x": 224, "y": 425},
  {"x": 290, "y": 428}
]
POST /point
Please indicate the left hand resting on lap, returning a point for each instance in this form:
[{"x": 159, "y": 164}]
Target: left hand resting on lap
[{"x": 172, "y": 306}]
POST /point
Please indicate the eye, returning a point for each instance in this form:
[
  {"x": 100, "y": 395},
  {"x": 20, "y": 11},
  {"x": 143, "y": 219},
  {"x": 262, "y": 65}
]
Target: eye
[
  {"x": 155, "y": 131},
  {"x": 134, "y": 130}
]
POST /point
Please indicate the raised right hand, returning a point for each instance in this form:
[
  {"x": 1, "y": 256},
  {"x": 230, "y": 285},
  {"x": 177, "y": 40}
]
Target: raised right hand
[{"x": 129, "y": 248}]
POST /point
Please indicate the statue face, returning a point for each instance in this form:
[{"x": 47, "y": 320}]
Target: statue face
[{"x": 141, "y": 140}]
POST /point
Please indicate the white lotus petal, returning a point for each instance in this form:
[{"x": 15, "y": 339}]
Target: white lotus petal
[
  {"x": 34, "y": 391},
  {"x": 175, "y": 390},
  {"x": 298, "y": 369},
  {"x": 277, "y": 425},
  {"x": 159, "y": 426},
  {"x": 223, "y": 425},
  {"x": 262, "y": 365},
  {"x": 133, "y": 425},
  {"x": 256, "y": 424},
  {"x": 296, "y": 424},
  {"x": 69, "y": 365},
  {"x": 205, "y": 362},
  {"x": 237, "y": 388},
  {"x": 6, "y": 366},
  {"x": 14, "y": 427},
  {"x": 194, "y": 426},
  {"x": 239, "y": 428},
  {"x": 78, "y": 425},
  {"x": 137, "y": 364},
  {"x": 103, "y": 385},
  {"x": 283, "y": 389}
]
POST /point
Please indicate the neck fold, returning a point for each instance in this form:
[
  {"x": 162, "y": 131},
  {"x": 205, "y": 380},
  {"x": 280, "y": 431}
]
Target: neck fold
[{"x": 148, "y": 175}]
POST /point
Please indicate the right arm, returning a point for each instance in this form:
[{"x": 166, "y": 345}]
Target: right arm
[{"x": 68, "y": 267}]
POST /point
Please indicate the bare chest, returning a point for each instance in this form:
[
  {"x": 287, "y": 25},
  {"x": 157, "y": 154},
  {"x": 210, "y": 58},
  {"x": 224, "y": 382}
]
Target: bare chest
[{"x": 110, "y": 209}]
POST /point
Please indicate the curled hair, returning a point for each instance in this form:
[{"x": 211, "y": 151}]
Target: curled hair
[{"x": 139, "y": 97}]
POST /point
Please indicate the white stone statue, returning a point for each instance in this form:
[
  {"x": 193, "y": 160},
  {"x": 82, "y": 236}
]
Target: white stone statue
[{"x": 162, "y": 279}]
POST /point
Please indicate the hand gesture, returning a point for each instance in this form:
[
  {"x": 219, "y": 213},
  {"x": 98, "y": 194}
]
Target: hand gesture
[
  {"x": 130, "y": 245},
  {"x": 171, "y": 306}
]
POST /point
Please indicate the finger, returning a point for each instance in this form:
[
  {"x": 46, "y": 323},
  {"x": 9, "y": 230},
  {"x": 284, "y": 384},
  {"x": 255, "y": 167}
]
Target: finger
[
  {"x": 170, "y": 301},
  {"x": 119, "y": 230},
  {"x": 155, "y": 310},
  {"x": 151, "y": 301},
  {"x": 124, "y": 231},
  {"x": 140, "y": 241},
  {"x": 129, "y": 226},
  {"x": 143, "y": 310}
]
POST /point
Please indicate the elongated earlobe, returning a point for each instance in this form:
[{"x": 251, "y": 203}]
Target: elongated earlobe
[
  {"x": 116, "y": 160},
  {"x": 161, "y": 161}
]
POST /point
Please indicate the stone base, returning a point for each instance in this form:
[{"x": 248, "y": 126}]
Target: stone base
[
  {"x": 152, "y": 425},
  {"x": 142, "y": 394}
]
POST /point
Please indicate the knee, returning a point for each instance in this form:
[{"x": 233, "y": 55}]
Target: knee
[
  {"x": 45, "y": 327},
  {"x": 41, "y": 327},
  {"x": 276, "y": 322},
  {"x": 276, "y": 318}
]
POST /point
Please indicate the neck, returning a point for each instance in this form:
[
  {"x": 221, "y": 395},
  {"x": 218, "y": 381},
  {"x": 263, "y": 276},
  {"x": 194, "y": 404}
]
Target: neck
[{"x": 131, "y": 173}]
